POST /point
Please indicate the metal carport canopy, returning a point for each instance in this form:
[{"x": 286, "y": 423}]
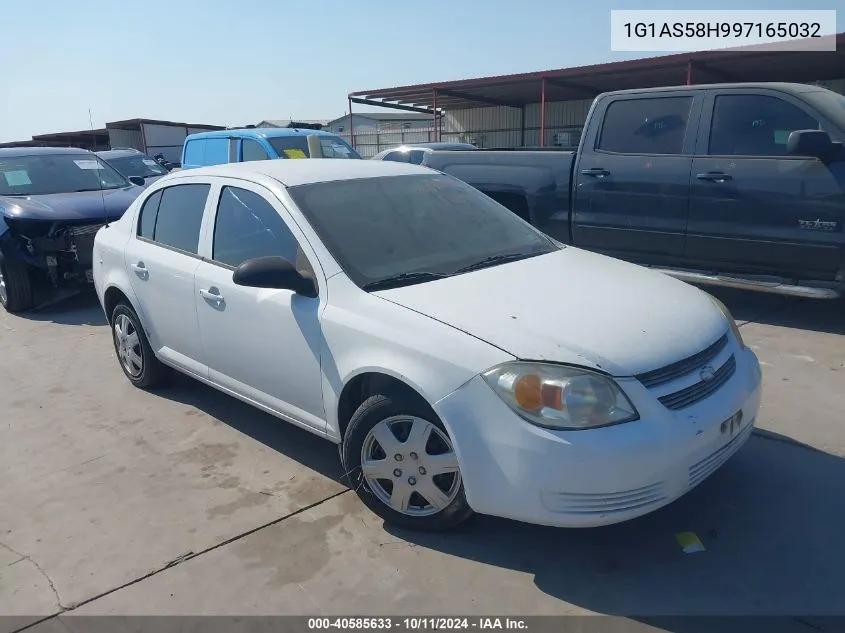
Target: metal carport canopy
[{"x": 586, "y": 82}]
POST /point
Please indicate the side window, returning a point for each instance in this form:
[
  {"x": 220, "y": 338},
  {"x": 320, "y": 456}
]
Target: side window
[
  {"x": 646, "y": 126},
  {"x": 755, "y": 125},
  {"x": 252, "y": 150},
  {"x": 180, "y": 216},
  {"x": 194, "y": 152},
  {"x": 248, "y": 226},
  {"x": 417, "y": 156},
  {"x": 398, "y": 157},
  {"x": 147, "y": 221},
  {"x": 216, "y": 151}
]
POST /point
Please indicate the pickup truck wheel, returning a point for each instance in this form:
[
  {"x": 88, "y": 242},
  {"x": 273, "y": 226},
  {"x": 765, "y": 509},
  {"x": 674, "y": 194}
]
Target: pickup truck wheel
[
  {"x": 15, "y": 285},
  {"x": 136, "y": 356},
  {"x": 401, "y": 463}
]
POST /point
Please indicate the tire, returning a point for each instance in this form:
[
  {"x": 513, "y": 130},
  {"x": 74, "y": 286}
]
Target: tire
[
  {"x": 396, "y": 412},
  {"x": 16, "y": 288},
  {"x": 136, "y": 357}
]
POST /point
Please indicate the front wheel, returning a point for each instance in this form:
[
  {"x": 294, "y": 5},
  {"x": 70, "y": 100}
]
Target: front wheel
[
  {"x": 402, "y": 464},
  {"x": 15, "y": 285}
]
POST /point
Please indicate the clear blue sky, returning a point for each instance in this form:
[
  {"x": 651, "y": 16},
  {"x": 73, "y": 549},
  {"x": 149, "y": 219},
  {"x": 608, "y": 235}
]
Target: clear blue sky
[{"x": 230, "y": 63}]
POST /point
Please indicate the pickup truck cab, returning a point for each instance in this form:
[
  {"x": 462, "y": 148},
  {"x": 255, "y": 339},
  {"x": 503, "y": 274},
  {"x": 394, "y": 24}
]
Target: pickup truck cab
[
  {"x": 738, "y": 185},
  {"x": 238, "y": 146}
]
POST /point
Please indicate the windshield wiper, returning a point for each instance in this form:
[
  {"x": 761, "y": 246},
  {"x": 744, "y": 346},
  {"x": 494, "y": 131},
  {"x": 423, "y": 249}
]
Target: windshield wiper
[
  {"x": 402, "y": 279},
  {"x": 493, "y": 260}
]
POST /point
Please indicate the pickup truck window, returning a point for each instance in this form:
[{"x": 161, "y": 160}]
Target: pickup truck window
[
  {"x": 645, "y": 126},
  {"x": 252, "y": 150},
  {"x": 755, "y": 125}
]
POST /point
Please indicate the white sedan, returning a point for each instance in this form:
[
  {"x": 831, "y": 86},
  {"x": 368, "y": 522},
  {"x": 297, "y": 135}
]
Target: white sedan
[{"x": 463, "y": 361}]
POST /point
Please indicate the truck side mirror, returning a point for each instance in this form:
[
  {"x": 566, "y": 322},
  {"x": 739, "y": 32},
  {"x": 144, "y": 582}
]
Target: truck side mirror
[{"x": 814, "y": 143}]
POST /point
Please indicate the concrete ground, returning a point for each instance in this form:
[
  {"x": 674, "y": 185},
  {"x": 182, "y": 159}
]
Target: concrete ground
[{"x": 116, "y": 501}]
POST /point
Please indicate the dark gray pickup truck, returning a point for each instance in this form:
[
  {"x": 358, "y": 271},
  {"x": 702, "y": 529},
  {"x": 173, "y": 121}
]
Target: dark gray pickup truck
[{"x": 738, "y": 185}]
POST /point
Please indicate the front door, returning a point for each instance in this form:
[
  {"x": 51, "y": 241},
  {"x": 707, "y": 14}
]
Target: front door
[
  {"x": 753, "y": 209},
  {"x": 262, "y": 344},
  {"x": 631, "y": 191},
  {"x": 161, "y": 260}
]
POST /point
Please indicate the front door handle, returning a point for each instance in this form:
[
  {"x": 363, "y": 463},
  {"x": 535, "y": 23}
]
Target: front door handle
[
  {"x": 212, "y": 294},
  {"x": 598, "y": 172},
  {"x": 715, "y": 176},
  {"x": 141, "y": 270}
]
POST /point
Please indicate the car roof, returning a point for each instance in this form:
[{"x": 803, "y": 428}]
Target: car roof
[
  {"x": 409, "y": 147},
  {"x": 790, "y": 88},
  {"x": 260, "y": 132},
  {"x": 293, "y": 172},
  {"x": 40, "y": 151}
]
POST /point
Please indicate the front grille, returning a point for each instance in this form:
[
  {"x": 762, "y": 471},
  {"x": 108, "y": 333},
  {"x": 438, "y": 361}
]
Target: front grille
[
  {"x": 707, "y": 466},
  {"x": 85, "y": 229},
  {"x": 604, "y": 503},
  {"x": 682, "y": 367},
  {"x": 700, "y": 390}
]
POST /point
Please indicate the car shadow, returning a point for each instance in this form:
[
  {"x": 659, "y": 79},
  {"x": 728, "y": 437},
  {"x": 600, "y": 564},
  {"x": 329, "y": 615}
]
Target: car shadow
[
  {"x": 818, "y": 315},
  {"x": 770, "y": 519},
  {"x": 300, "y": 445},
  {"x": 68, "y": 308}
]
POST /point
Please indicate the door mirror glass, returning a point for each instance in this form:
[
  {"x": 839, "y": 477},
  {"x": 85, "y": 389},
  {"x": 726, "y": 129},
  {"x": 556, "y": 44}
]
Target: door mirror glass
[
  {"x": 137, "y": 180},
  {"x": 815, "y": 143},
  {"x": 273, "y": 272}
]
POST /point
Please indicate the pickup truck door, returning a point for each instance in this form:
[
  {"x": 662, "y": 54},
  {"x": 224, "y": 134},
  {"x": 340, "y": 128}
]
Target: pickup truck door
[
  {"x": 753, "y": 209},
  {"x": 631, "y": 178}
]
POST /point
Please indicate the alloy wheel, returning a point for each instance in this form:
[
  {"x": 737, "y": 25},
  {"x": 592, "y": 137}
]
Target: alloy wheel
[{"x": 128, "y": 345}]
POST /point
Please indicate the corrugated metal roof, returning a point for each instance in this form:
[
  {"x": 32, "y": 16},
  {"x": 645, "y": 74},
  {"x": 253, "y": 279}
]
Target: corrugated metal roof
[{"x": 585, "y": 82}]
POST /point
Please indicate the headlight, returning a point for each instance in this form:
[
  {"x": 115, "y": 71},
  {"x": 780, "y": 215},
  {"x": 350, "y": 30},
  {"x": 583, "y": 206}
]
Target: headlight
[
  {"x": 560, "y": 397},
  {"x": 731, "y": 321}
]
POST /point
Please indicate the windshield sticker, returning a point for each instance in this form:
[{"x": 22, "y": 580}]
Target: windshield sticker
[
  {"x": 150, "y": 162},
  {"x": 295, "y": 153},
  {"x": 17, "y": 178},
  {"x": 88, "y": 164}
]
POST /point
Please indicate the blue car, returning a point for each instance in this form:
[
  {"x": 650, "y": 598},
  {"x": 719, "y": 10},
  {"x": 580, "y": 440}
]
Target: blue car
[
  {"x": 236, "y": 146},
  {"x": 52, "y": 203}
]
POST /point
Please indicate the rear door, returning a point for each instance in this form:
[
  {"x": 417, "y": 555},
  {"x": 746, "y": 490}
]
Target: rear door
[
  {"x": 631, "y": 190},
  {"x": 162, "y": 258},
  {"x": 753, "y": 209}
]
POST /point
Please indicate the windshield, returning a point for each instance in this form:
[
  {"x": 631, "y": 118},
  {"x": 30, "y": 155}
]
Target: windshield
[
  {"x": 56, "y": 173},
  {"x": 297, "y": 147},
  {"x": 142, "y": 166},
  {"x": 379, "y": 228}
]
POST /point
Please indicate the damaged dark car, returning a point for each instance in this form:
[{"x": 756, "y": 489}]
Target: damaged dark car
[{"x": 52, "y": 203}]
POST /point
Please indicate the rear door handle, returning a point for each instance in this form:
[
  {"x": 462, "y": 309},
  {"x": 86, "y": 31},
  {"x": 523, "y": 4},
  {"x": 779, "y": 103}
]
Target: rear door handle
[
  {"x": 598, "y": 172},
  {"x": 212, "y": 294},
  {"x": 715, "y": 176},
  {"x": 140, "y": 270}
]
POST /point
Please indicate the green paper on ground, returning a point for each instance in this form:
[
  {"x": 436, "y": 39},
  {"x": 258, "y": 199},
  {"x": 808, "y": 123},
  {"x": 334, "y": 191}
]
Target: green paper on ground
[{"x": 689, "y": 542}]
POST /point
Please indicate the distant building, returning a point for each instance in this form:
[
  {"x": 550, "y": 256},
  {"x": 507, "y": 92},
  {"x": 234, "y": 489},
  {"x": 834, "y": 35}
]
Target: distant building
[
  {"x": 302, "y": 124},
  {"x": 372, "y": 122}
]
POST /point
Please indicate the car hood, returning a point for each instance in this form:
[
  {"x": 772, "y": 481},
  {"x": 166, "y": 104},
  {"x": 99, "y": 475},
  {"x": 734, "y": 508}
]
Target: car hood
[
  {"x": 108, "y": 204},
  {"x": 574, "y": 306}
]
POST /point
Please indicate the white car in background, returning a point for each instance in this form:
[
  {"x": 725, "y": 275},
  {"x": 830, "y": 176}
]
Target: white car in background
[{"x": 463, "y": 360}]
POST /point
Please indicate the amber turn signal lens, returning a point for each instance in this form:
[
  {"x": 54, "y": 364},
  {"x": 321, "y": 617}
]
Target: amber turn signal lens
[{"x": 528, "y": 392}]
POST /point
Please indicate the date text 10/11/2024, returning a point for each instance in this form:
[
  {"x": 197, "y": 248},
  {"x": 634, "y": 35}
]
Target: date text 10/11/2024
[{"x": 416, "y": 623}]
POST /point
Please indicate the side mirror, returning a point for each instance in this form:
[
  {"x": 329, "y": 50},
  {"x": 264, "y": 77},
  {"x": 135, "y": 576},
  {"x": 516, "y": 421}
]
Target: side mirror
[
  {"x": 137, "y": 180},
  {"x": 273, "y": 272},
  {"x": 814, "y": 143}
]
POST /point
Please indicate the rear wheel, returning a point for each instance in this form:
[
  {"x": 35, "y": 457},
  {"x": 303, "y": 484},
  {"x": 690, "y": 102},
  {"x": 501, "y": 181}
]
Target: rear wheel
[
  {"x": 136, "y": 356},
  {"x": 402, "y": 464},
  {"x": 15, "y": 285}
]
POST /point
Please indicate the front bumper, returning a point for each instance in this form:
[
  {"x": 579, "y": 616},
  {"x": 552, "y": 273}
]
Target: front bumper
[{"x": 594, "y": 477}]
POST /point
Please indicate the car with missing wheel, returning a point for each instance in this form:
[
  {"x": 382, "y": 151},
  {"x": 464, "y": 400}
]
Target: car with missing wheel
[{"x": 461, "y": 359}]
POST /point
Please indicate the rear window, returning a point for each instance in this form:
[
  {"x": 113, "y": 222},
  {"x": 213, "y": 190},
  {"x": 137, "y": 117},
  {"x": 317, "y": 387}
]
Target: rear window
[{"x": 297, "y": 147}]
